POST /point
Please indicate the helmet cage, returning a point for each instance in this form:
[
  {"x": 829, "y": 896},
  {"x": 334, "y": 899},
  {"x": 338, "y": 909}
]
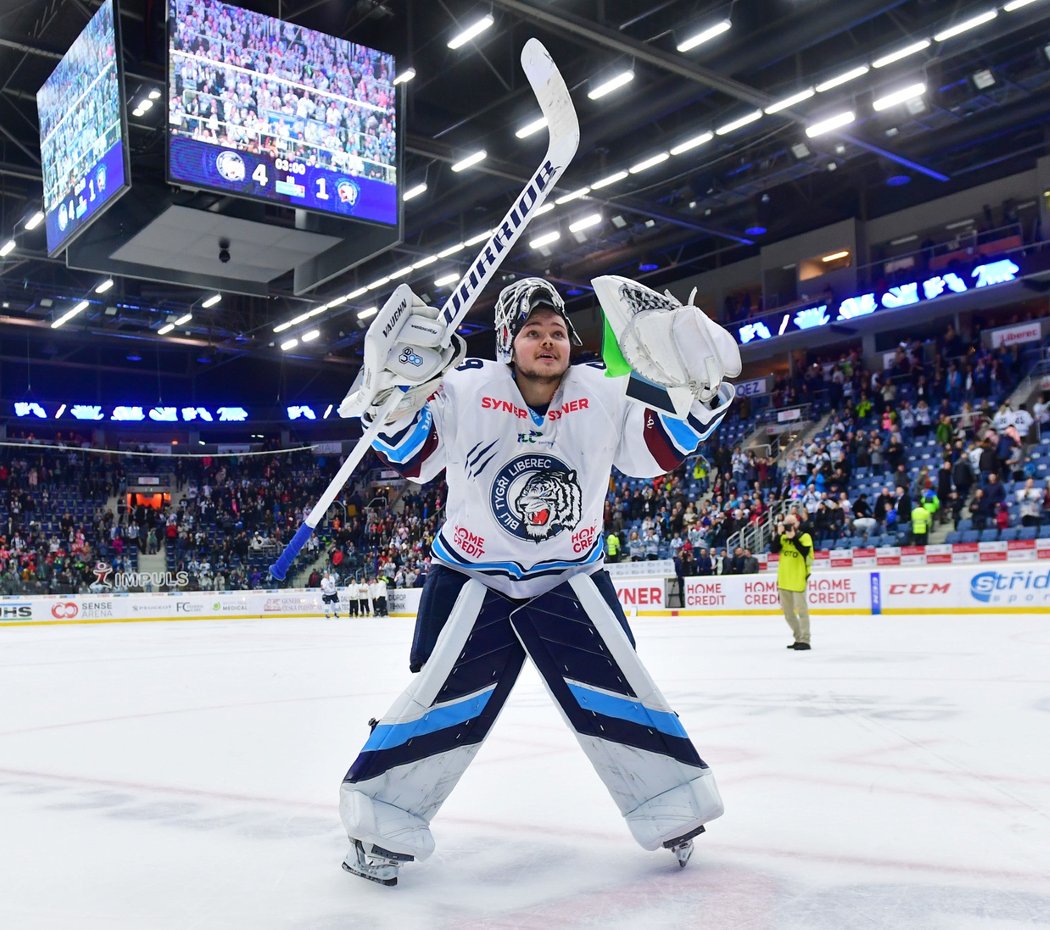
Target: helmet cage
[{"x": 515, "y": 304}]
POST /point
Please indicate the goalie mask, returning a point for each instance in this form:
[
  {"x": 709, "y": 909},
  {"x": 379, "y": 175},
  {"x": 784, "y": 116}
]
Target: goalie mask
[{"x": 513, "y": 307}]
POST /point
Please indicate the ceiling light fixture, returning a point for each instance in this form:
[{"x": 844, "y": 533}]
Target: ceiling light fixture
[
  {"x": 1017, "y": 5},
  {"x": 832, "y": 122},
  {"x": 447, "y": 279},
  {"x": 575, "y": 195},
  {"x": 471, "y": 32},
  {"x": 104, "y": 286},
  {"x": 705, "y": 35},
  {"x": 378, "y": 282},
  {"x": 613, "y": 83},
  {"x": 165, "y": 329},
  {"x": 835, "y": 256},
  {"x": 586, "y": 222},
  {"x": 983, "y": 79},
  {"x": 790, "y": 101},
  {"x": 69, "y": 314},
  {"x": 35, "y": 220},
  {"x": 898, "y": 96},
  {"x": 7, "y": 248},
  {"x": 546, "y": 239},
  {"x": 405, "y": 76},
  {"x": 289, "y": 344},
  {"x": 966, "y": 25},
  {"x": 184, "y": 319},
  {"x": 312, "y": 335},
  {"x": 357, "y": 292},
  {"x": 839, "y": 79},
  {"x": 649, "y": 162},
  {"x": 212, "y": 301},
  {"x": 529, "y": 128},
  {"x": 692, "y": 143},
  {"x": 737, "y": 123},
  {"x": 470, "y": 160},
  {"x": 611, "y": 179},
  {"x": 423, "y": 262},
  {"x": 479, "y": 238},
  {"x": 365, "y": 314},
  {"x": 415, "y": 191},
  {"x": 912, "y": 49},
  {"x": 452, "y": 250}
]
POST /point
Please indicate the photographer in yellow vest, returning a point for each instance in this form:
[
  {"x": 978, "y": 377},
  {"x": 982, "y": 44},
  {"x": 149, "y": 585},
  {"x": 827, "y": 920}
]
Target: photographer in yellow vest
[{"x": 795, "y": 546}]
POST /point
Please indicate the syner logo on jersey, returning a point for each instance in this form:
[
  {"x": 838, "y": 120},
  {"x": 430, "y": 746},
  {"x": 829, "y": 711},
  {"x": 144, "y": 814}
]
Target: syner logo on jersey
[{"x": 536, "y": 497}]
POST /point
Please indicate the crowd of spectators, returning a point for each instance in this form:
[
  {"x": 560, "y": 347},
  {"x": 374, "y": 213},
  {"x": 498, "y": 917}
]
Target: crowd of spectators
[{"x": 54, "y": 525}]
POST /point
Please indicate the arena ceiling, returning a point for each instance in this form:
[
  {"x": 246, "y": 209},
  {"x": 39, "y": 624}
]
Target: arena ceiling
[{"x": 984, "y": 114}]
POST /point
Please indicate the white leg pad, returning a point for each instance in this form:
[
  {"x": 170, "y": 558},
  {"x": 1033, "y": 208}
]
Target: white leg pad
[
  {"x": 676, "y": 812},
  {"x": 374, "y": 821}
]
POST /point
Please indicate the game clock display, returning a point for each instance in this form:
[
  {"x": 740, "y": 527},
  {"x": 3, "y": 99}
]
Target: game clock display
[
  {"x": 271, "y": 110},
  {"x": 282, "y": 181}
]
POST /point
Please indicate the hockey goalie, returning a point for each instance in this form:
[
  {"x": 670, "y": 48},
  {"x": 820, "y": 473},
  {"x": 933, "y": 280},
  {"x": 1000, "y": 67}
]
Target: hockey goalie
[{"x": 527, "y": 443}]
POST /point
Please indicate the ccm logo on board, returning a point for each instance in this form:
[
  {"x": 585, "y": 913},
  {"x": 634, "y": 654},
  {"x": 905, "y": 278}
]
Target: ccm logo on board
[{"x": 931, "y": 588}]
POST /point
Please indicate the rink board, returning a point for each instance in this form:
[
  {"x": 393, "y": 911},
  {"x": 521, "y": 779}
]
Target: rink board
[{"x": 950, "y": 589}]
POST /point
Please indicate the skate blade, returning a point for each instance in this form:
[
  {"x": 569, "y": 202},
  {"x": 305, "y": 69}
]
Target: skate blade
[
  {"x": 372, "y": 878},
  {"x": 683, "y": 852}
]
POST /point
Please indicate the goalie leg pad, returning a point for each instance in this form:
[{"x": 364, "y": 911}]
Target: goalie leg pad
[
  {"x": 420, "y": 748},
  {"x": 634, "y": 740}
]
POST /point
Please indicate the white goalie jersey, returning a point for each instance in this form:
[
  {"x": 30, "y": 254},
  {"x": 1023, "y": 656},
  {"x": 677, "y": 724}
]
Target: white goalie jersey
[{"x": 526, "y": 488}]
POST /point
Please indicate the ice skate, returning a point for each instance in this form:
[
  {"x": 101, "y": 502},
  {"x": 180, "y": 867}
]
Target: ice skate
[
  {"x": 683, "y": 847},
  {"x": 374, "y": 863}
]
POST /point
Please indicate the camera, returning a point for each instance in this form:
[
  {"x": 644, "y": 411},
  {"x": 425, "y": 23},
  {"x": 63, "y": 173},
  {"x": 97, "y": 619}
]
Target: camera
[{"x": 224, "y": 250}]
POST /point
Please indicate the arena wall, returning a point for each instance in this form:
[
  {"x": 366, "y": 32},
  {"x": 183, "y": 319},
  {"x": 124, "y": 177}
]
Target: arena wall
[{"x": 959, "y": 589}]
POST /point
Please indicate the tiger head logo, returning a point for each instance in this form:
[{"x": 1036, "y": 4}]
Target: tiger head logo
[{"x": 548, "y": 503}]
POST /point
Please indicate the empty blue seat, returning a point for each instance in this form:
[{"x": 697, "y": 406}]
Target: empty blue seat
[
  {"x": 989, "y": 535},
  {"x": 966, "y": 523},
  {"x": 1027, "y": 532},
  {"x": 953, "y": 536},
  {"x": 970, "y": 536}
]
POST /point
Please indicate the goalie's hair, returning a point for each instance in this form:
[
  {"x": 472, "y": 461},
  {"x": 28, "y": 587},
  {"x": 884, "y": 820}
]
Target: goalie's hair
[{"x": 513, "y": 307}]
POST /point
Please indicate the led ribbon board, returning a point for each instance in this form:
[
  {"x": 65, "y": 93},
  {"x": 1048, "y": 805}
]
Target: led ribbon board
[{"x": 818, "y": 315}]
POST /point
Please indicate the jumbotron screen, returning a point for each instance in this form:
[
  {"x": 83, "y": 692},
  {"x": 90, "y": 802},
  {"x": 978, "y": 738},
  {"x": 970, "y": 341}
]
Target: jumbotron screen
[
  {"x": 261, "y": 108},
  {"x": 83, "y": 133}
]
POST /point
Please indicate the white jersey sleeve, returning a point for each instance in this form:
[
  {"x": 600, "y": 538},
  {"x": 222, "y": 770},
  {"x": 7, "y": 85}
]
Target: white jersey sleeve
[{"x": 526, "y": 488}]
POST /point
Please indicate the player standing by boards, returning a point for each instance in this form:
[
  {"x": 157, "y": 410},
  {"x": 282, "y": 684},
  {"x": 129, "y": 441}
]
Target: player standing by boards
[
  {"x": 527, "y": 444},
  {"x": 329, "y": 596},
  {"x": 364, "y": 600},
  {"x": 377, "y": 591}
]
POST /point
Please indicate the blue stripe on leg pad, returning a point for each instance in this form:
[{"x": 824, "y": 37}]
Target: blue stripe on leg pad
[
  {"x": 609, "y": 705},
  {"x": 389, "y": 735}
]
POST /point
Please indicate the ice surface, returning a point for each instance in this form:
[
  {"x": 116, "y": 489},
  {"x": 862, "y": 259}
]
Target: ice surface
[{"x": 185, "y": 775}]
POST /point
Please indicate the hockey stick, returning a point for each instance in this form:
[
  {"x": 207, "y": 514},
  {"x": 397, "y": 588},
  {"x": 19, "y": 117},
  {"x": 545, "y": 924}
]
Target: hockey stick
[{"x": 564, "y": 137}]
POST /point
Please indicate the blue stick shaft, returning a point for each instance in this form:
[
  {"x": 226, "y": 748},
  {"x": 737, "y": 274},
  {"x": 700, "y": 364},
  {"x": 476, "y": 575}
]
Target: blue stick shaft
[{"x": 284, "y": 561}]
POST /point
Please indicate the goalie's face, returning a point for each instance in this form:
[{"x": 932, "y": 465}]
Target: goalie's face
[{"x": 541, "y": 346}]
